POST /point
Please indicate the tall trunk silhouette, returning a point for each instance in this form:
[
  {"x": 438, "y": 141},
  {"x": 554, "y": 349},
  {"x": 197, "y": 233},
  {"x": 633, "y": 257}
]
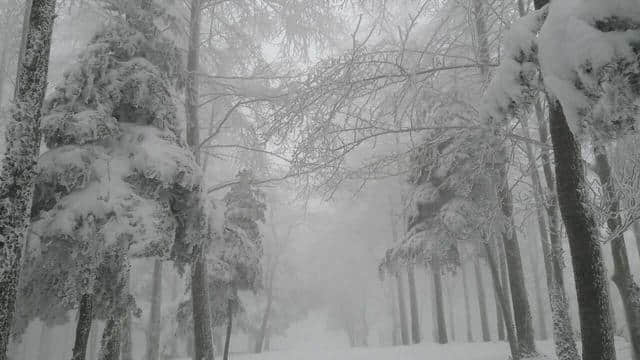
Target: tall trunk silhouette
[
  {"x": 110, "y": 344},
  {"x": 413, "y": 306},
  {"x": 482, "y": 301},
  {"x": 582, "y": 230},
  {"x": 622, "y": 276},
  {"x": 565, "y": 345},
  {"x": 636, "y": 235},
  {"x": 395, "y": 321},
  {"x": 227, "y": 339},
  {"x": 499, "y": 316},
  {"x": 451, "y": 301},
  {"x": 467, "y": 307},
  {"x": 22, "y": 150},
  {"x": 155, "y": 315},
  {"x": 404, "y": 329},
  {"x": 127, "y": 340},
  {"x": 541, "y": 314},
  {"x": 506, "y": 310},
  {"x": 265, "y": 317},
  {"x": 83, "y": 327},
  {"x": 93, "y": 341},
  {"x": 440, "y": 319},
  {"x": 202, "y": 338}
]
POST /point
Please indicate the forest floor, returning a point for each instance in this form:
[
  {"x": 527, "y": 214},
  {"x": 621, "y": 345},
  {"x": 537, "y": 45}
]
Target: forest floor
[{"x": 425, "y": 351}]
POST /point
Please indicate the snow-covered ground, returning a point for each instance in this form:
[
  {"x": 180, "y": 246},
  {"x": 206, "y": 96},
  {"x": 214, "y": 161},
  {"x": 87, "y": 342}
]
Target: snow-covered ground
[{"x": 425, "y": 351}]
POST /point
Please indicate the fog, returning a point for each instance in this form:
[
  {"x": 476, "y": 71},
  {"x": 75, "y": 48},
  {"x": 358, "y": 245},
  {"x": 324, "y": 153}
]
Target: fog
[{"x": 319, "y": 179}]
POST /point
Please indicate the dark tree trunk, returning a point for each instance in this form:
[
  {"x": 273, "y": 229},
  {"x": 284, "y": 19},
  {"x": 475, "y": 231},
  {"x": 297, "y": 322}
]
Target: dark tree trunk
[
  {"x": 227, "y": 339},
  {"x": 413, "y": 306},
  {"x": 582, "y": 230},
  {"x": 499, "y": 316},
  {"x": 636, "y": 235},
  {"x": 451, "y": 300},
  {"x": 482, "y": 301},
  {"x": 404, "y": 329},
  {"x": 83, "y": 327},
  {"x": 440, "y": 319},
  {"x": 155, "y": 316},
  {"x": 22, "y": 150},
  {"x": 110, "y": 344},
  {"x": 519, "y": 296},
  {"x": 506, "y": 310},
  {"x": 467, "y": 307},
  {"x": 622, "y": 276},
  {"x": 565, "y": 344},
  {"x": 202, "y": 338},
  {"x": 127, "y": 340}
]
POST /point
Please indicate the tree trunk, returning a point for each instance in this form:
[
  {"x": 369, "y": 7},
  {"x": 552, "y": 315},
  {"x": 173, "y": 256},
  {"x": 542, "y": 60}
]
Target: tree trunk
[
  {"x": 413, "y": 306},
  {"x": 565, "y": 344},
  {"x": 542, "y": 323},
  {"x": 395, "y": 341},
  {"x": 127, "y": 340},
  {"x": 404, "y": 330},
  {"x": 110, "y": 344},
  {"x": 467, "y": 307},
  {"x": 155, "y": 316},
  {"x": 622, "y": 276},
  {"x": 499, "y": 317},
  {"x": 582, "y": 230},
  {"x": 83, "y": 327},
  {"x": 437, "y": 282},
  {"x": 506, "y": 310},
  {"x": 22, "y": 150},
  {"x": 93, "y": 341},
  {"x": 519, "y": 296},
  {"x": 265, "y": 319},
  {"x": 202, "y": 338},
  {"x": 482, "y": 301},
  {"x": 451, "y": 299},
  {"x": 227, "y": 340}
]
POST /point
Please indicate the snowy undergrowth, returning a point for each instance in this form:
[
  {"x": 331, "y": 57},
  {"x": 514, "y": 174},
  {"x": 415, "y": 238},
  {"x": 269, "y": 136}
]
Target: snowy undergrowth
[{"x": 456, "y": 351}]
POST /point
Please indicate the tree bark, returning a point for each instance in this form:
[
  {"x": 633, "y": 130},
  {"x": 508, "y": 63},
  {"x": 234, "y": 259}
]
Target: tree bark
[
  {"x": 440, "y": 319},
  {"x": 110, "y": 344},
  {"x": 265, "y": 318},
  {"x": 153, "y": 337},
  {"x": 127, "y": 340},
  {"x": 542, "y": 323},
  {"x": 93, "y": 341},
  {"x": 202, "y": 338},
  {"x": 404, "y": 330},
  {"x": 227, "y": 340},
  {"x": 83, "y": 327},
  {"x": 636, "y": 235},
  {"x": 467, "y": 307},
  {"x": 395, "y": 341},
  {"x": 413, "y": 306},
  {"x": 451, "y": 300},
  {"x": 482, "y": 301},
  {"x": 622, "y": 276},
  {"x": 22, "y": 150},
  {"x": 506, "y": 310},
  {"x": 582, "y": 230},
  {"x": 499, "y": 316}
]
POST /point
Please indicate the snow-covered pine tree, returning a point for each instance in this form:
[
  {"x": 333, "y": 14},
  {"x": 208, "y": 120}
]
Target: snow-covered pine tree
[{"x": 118, "y": 180}]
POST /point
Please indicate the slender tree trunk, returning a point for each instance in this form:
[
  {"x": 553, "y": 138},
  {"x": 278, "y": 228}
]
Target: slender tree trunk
[
  {"x": 413, "y": 306},
  {"x": 22, "y": 150},
  {"x": 127, "y": 340},
  {"x": 83, "y": 328},
  {"x": 506, "y": 310},
  {"x": 636, "y": 235},
  {"x": 451, "y": 299},
  {"x": 542, "y": 323},
  {"x": 622, "y": 276},
  {"x": 203, "y": 341},
  {"x": 499, "y": 316},
  {"x": 482, "y": 301},
  {"x": 155, "y": 316},
  {"x": 440, "y": 319},
  {"x": 582, "y": 230},
  {"x": 93, "y": 341},
  {"x": 565, "y": 344},
  {"x": 110, "y": 344},
  {"x": 227, "y": 340},
  {"x": 395, "y": 341},
  {"x": 404, "y": 329},
  {"x": 467, "y": 307},
  {"x": 265, "y": 318}
]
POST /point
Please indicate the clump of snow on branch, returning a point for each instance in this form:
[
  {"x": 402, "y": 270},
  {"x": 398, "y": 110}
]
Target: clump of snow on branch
[{"x": 589, "y": 54}]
